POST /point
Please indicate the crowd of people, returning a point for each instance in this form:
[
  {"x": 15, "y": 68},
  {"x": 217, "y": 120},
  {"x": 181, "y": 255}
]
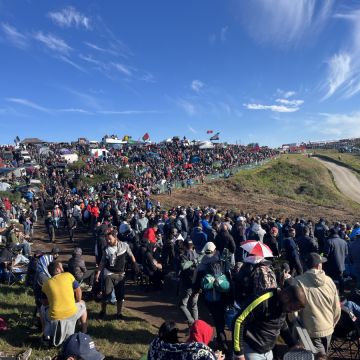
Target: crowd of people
[{"x": 305, "y": 267}]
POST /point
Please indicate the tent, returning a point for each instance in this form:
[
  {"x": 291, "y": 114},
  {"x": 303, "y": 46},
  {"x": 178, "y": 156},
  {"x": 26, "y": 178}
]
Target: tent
[{"x": 4, "y": 186}]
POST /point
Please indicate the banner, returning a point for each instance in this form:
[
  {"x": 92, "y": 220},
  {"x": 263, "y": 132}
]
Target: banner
[
  {"x": 215, "y": 137},
  {"x": 146, "y": 137}
]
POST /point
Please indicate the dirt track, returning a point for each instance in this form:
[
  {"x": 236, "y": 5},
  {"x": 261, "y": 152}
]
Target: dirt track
[{"x": 346, "y": 181}]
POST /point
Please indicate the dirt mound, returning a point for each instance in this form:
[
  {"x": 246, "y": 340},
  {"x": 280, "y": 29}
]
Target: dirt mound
[{"x": 227, "y": 194}]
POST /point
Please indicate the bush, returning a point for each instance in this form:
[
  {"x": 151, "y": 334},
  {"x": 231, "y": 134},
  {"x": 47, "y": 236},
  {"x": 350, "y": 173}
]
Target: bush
[
  {"x": 12, "y": 196},
  {"x": 125, "y": 173}
]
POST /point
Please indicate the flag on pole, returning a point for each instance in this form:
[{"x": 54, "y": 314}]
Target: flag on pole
[
  {"x": 215, "y": 137},
  {"x": 146, "y": 137},
  {"x": 209, "y": 131}
]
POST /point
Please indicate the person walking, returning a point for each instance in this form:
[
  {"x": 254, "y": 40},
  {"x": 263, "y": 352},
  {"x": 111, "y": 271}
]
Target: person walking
[{"x": 112, "y": 265}]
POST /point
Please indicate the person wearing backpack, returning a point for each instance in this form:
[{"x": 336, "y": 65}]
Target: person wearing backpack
[{"x": 211, "y": 281}]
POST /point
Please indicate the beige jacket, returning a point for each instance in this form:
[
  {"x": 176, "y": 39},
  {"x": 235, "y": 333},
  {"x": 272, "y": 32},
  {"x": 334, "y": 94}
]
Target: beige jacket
[{"x": 322, "y": 310}]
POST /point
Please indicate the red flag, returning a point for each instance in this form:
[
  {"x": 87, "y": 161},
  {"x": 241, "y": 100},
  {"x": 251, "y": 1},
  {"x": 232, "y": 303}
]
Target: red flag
[
  {"x": 209, "y": 132},
  {"x": 146, "y": 137}
]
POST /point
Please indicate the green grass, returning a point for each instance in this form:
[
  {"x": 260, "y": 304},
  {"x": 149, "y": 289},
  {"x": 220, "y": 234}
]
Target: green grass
[
  {"x": 350, "y": 160},
  {"x": 295, "y": 177},
  {"x": 128, "y": 339}
]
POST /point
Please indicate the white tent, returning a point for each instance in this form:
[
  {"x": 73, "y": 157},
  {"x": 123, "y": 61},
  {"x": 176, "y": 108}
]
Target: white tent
[
  {"x": 4, "y": 186},
  {"x": 203, "y": 145}
]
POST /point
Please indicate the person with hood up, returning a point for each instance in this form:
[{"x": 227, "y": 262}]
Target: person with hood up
[
  {"x": 215, "y": 303},
  {"x": 77, "y": 268},
  {"x": 167, "y": 346},
  {"x": 322, "y": 310}
]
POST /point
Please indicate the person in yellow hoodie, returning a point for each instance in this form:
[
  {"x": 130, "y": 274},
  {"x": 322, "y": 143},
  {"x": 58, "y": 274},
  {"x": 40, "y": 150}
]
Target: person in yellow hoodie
[{"x": 322, "y": 310}]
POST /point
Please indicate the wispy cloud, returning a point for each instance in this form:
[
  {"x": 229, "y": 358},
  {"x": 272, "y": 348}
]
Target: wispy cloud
[
  {"x": 14, "y": 36},
  {"x": 28, "y": 103},
  {"x": 70, "y": 62},
  {"x": 343, "y": 73},
  {"x": 197, "y": 85},
  {"x": 275, "y": 108},
  {"x": 287, "y": 102},
  {"x": 284, "y": 22},
  {"x": 52, "y": 42},
  {"x": 125, "y": 70},
  {"x": 89, "y": 59},
  {"x": 187, "y": 106},
  {"x": 35, "y": 106},
  {"x": 74, "y": 110},
  {"x": 336, "y": 125},
  {"x": 70, "y": 17},
  {"x": 128, "y": 112},
  {"x": 286, "y": 94},
  {"x": 219, "y": 36},
  {"x": 99, "y": 48},
  {"x": 191, "y": 129}
]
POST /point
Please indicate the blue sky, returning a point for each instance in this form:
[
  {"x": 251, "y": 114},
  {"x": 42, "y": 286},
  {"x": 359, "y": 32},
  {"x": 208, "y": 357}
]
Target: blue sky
[{"x": 270, "y": 71}]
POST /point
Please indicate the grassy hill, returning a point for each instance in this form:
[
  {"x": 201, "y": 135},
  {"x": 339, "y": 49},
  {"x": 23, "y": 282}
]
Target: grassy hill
[
  {"x": 294, "y": 177},
  {"x": 352, "y": 161},
  {"x": 292, "y": 185}
]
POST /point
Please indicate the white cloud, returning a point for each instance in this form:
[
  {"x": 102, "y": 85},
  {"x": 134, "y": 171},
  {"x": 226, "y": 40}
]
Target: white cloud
[
  {"x": 223, "y": 33},
  {"x": 89, "y": 59},
  {"x": 187, "y": 106},
  {"x": 197, "y": 85},
  {"x": 100, "y": 49},
  {"x": 28, "y": 103},
  {"x": 191, "y": 129},
  {"x": 288, "y": 94},
  {"x": 52, "y": 42},
  {"x": 339, "y": 72},
  {"x": 70, "y": 62},
  {"x": 287, "y": 102},
  {"x": 337, "y": 125},
  {"x": 219, "y": 35},
  {"x": 128, "y": 112},
  {"x": 343, "y": 73},
  {"x": 69, "y": 17},
  {"x": 14, "y": 36},
  {"x": 74, "y": 110},
  {"x": 275, "y": 108},
  {"x": 123, "y": 69},
  {"x": 284, "y": 22}
]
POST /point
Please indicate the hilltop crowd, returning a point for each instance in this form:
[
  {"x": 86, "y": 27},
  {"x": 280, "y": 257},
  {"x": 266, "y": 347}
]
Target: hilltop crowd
[{"x": 247, "y": 286}]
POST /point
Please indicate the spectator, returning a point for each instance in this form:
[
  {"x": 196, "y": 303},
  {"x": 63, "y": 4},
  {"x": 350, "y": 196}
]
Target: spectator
[
  {"x": 322, "y": 309},
  {"x": 62, "y": 305},
  {"x": 263, "y": 319}
]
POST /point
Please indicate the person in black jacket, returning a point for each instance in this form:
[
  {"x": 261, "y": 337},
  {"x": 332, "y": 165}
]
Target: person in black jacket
[
  {"x": 306, "y": 245},
  {"x": 336, "y": 250},
  {"x": 263, "y": 319},
  {"x": 292, "y": 253},
  {"x": 77, "y": 267},
  {"x": 224, "y": 240}
]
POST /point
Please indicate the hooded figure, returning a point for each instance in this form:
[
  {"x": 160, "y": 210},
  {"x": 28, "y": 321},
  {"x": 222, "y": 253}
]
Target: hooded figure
[{"x": 201, "y": 332}]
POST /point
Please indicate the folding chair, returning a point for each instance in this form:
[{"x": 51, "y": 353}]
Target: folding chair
[{"x": 345, "y": 343}]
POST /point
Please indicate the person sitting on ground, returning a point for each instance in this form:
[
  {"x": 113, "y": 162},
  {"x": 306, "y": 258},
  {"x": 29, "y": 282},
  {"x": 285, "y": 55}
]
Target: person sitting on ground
[
  {"x": 62, "y": 304},
  {"x": 77, "y": 268},
  {"x": 79, "y": 346},
  {"x": 150, "y": 266},
  {"x": 167, "y": 346}
]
